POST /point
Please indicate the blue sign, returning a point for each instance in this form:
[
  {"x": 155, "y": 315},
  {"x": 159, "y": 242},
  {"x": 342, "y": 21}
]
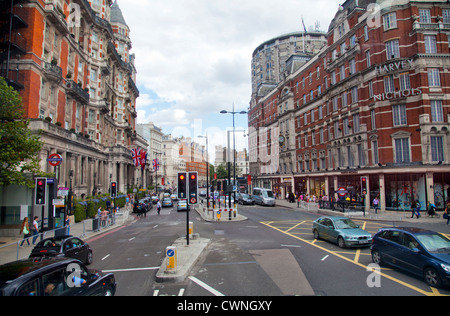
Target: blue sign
[{"x": 170, "y": 253}]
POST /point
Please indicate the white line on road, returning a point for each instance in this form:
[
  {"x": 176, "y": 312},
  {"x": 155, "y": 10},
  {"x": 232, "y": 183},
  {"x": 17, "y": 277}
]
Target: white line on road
[
  {"x": 155, "y": 293},
  {"x": 324, "y": 258},
  {"x": 181, "y": 292},
  {"x": 131, "y": 239},
  {"x": 291, "y": 246},
  {"x": 132, "y": 269},
  {"x": 105, "y": 257},
  {"x": 206, "y": 286}
]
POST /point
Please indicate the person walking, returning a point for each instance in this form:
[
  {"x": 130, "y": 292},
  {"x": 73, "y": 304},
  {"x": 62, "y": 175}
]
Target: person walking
[
  {"x": 25, "y": 230},
  {"x": 376, "y": 202},
  {"x": 35, "y": 229},
  {"x": 447, "y": 213},
  {"x": 158, "y": 207}
]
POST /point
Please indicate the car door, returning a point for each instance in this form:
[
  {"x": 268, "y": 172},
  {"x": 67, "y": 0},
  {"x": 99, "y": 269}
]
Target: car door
[
  {"x": 408, "y": 254},
  {"x": 324, "y": 228},
  {"x": 80, "y": 249},
  {"x": 389, "y": 243}
]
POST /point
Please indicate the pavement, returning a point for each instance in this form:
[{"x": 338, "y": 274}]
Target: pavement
[{"x": 388, "y": 216}]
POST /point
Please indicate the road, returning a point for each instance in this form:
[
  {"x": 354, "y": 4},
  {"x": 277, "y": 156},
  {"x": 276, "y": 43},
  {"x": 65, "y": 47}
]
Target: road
[{"x": 273, "y": 253}]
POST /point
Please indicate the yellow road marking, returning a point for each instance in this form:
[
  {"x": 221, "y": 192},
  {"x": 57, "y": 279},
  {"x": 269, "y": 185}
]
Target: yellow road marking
[{"x": 312, "y": 243}]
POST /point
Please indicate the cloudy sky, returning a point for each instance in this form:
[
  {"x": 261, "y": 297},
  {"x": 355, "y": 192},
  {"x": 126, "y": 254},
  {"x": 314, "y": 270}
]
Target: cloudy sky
[{"x": 193, "y": 57}]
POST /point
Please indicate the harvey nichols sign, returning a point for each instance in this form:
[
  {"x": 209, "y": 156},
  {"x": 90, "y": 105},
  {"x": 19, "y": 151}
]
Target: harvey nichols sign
[{"x": 394, "y": 66}]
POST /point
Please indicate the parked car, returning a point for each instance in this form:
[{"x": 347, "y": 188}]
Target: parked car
[
  {"x": 167, "y": 202},
  {"x": 341, "y": 231},
  {"x": 263, "y": 196},
  {"x": 245, "y": 199},
  {"x": 54, "y": 277},
  {"x": 182, "y": 205},
  {"x": 63, "y": 246},
  {"x": 419, "y": 251}
]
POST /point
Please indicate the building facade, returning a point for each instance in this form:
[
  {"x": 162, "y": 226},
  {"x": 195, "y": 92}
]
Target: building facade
[
  {"x": 373, "y": 103},
  {"x": 71, "y": 62}
]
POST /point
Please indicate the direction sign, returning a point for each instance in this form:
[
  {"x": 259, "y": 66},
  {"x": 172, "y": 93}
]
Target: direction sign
[
  {"x": 55, "y": 160},
  {"x": 170, "y": 252}
]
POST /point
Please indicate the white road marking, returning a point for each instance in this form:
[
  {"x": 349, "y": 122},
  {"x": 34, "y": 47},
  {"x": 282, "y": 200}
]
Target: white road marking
[
  {"x": 324, "y": 258},
  {"x": 132, "y": 269},
  {"x": 206, "y": 286},
  {"x": 105, "y": 257}
]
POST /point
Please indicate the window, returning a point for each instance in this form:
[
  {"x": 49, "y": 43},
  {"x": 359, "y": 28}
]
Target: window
[
  {"x": 437, "y": 114},
  {"x": 405, "y": 83},
  {"x": 356, "y": 123},
  {"x": 375, "y": 152},
  {"x": 352, "y": 66},
  {"x": 346, "y": 126},
  {"x": 344, "y": 99},
  {"x": 425, "y": 15},
  {"x": 399, "y": 114},
  {"x": 342, "y": 72},
  {"x": 430, "y": 44},
  {"x": 437, "y": 148},
  {"x": 371, "y": 89},
  {"x": 321, "y": 138},
  {"x": 402, "y": 150},
  {"x": 361, "y": 159},
  {"x": 390, "y": 21},
  {"x": 312, "y": 115},
  {"x": 433, "y": 77},
  {"x": 392, "y": 49},
  {"x": 389, "y": 84},
  {"x": 368, "y": 62},
  {"x": 372, "y": 119},
  {"x": 446, "y": 15},
  {"x": 354, "y": 94},
  {"x": 366, "y": 33}
]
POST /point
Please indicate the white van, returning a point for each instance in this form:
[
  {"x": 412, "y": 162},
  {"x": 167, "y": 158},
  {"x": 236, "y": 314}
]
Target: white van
[{"x": 263, "y": 196}]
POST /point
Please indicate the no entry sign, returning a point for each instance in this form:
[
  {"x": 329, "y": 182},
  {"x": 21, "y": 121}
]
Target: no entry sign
[{"x": 55, "y": 160}]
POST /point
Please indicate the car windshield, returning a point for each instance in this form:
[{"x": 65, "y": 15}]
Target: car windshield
[
  {"x": 49, "y": 243},
  {"x": 435, "y": 243},
  {"x": 345, "y": 223},
  {"x": 245, "y": 196},
  {"x": 267, "y": 194}
]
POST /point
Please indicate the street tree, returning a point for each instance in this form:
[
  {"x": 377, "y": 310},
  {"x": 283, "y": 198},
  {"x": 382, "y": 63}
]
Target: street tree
[{"x": 19, "y": 147}]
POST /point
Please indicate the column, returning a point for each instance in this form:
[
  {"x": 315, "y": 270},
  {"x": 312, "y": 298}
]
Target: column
[{"x": 382, "y": 193}]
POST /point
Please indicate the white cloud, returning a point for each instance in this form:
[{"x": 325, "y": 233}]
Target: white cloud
[{"x": 193, "y": 57}]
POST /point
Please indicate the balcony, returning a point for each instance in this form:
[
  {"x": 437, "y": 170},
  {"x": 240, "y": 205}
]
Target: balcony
[
  {"x": 53, "y": 72},
  {"x": 76, "y": 91},
  {"x": 14, "y": 78}
]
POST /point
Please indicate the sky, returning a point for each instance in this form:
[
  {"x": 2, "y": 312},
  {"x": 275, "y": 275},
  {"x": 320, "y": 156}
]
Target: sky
[{"x": 193, "y": 58}]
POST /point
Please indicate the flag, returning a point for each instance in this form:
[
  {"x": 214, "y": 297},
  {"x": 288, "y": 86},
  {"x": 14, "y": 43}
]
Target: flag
[
  {"x": 143, "y": 159},
  {"x": 136, "y": 154},
  {"x": 155, "y": 164}
]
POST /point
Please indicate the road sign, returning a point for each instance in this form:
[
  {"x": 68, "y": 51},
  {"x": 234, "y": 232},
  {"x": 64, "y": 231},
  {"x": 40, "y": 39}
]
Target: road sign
[
  {"x": 55, "y": 160},
  {"x": 342, "y": 191},
  {"x": 171, "y": 260}
]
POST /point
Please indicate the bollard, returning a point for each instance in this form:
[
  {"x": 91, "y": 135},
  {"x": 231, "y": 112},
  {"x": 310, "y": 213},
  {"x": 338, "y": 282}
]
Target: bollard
[
  {"x": 218, "y": 214},
  {"x": 171, "y": 259},
  {"x": 191, "y": 229}
]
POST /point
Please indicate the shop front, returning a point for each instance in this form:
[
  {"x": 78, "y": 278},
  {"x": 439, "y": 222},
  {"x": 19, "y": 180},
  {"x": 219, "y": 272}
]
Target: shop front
[{"x": 403, "y": 190}]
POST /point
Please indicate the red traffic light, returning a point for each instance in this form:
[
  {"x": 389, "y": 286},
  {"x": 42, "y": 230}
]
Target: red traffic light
[
  {"x": 193, "y": 176},
  {"x": 113, "y": 184},
  {"x": 40, "y": 183},
  {"x": 181, "y": 177}
]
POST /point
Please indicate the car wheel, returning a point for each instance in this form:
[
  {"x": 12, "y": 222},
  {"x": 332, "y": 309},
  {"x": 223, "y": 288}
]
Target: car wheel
[
  {"x": 432, "y": 277},
  {"x": 109, "y": 291},
  {"x": 89, "y": 258},
  {"x": 316, "y": 234},
  {"x": 341, "y": 242},
  {"x": 376, "y": 257}
]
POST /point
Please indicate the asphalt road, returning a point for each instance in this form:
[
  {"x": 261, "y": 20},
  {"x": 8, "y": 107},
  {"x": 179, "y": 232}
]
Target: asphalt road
[{"x": 273, "y": 253}]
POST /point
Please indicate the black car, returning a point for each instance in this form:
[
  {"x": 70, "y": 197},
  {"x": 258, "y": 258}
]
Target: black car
[
  {"x": 54, "y": 277},
  {"x": 245, "y": 199},
  {"x": 61, "y": 246}
]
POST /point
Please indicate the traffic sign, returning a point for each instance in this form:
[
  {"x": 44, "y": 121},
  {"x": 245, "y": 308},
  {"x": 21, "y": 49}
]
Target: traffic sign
[
  {"x": 342, "y": 191},
  {"x": 55, "y": 160}
]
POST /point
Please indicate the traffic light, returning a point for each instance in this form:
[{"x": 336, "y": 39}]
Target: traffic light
[
  {"x": 182, "y": 193},
  {"x": 113, "y": 189},
  {"x": 364, "y": 185},
  {"x": 193, "y": 187},
  {"x": 40, "y": 191}
]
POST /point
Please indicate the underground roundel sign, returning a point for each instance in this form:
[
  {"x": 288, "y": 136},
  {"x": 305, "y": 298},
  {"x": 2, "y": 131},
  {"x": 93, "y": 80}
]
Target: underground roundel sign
[{"x": 55, "y": 159}]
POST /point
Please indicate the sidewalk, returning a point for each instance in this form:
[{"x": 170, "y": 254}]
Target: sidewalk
[
  {"x": 10, "y": 249},
  {"x": 388, "y": 216}
]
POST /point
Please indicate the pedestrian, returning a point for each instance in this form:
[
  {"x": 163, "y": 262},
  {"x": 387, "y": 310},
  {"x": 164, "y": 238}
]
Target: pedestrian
[
  {"x": 418, "y": 208},
  {"x": 35, "y": 229},
  {"x": 376, "y": 202},
  {"x": 431, "y": 209},
  {"x": 104, "y": 217},
  {"x": 67, "y": 222},
  {"x": 158, "y": 207},
  {"x": 415, "y": 209},
  {"x": 25, "y": 230},
  {"x": 447, "y": 213}
]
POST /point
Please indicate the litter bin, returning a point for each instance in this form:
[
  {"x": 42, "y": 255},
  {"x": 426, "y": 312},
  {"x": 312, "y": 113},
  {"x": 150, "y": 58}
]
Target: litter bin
[{"x": 96, "y": 224}]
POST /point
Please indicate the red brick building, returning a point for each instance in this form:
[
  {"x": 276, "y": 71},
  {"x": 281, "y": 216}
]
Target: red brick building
[{"x": 373, "y": 103}]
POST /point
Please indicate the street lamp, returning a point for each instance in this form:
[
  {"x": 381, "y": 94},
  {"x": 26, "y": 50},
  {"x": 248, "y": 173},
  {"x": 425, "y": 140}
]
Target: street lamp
[
  {"x": 207, "y": 170},
  {"x": 234, "y": 151}
]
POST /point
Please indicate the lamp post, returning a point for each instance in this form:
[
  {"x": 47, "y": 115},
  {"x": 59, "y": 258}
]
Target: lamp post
[
  {"x": 207, "y": 170},
  {"x": 234, "y": 150}
]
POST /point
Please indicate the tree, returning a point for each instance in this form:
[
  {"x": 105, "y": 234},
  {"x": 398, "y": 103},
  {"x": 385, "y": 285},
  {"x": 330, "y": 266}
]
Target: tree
[{"x": 19, "y": 147}]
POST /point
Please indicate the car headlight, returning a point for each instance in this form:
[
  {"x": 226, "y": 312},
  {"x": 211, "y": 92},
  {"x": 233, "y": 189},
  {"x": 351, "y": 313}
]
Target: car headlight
[{"x": 446, "y": 267}]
